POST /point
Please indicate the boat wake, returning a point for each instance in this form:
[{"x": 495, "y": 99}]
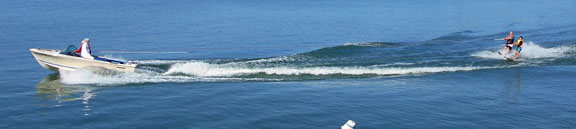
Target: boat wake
[
  {"x": 146, "y": 52},
  {"x": 89, "y": 77},
  {"x": 203, "y": 69},
  {"x": 204, "y": 72}
]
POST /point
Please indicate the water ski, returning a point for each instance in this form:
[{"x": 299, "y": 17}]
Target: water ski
[
  {"x": 505, "y": 57},
  {"x": 511, "y": 59}
]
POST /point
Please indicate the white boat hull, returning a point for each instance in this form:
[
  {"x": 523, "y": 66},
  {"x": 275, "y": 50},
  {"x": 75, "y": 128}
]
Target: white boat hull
[{"x": 53, "y": 60}]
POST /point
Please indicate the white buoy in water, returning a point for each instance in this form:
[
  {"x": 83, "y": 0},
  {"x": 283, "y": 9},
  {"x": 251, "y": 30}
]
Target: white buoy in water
[{"x": 350, "y": 124}]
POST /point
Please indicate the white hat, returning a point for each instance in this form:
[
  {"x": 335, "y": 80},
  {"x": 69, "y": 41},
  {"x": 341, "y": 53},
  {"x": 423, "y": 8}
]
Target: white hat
[{"x": 85, "y": 40}]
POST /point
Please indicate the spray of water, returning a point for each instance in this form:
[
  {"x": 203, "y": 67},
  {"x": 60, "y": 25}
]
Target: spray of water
[{"x": 530, "y": 50}]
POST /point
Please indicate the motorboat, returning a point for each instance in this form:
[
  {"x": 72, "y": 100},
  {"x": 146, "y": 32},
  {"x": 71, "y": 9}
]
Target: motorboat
[{"x": 66, "y": 60}]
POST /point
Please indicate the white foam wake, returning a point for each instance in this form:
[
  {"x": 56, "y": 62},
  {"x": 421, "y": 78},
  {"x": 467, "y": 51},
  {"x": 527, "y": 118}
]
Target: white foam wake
[
  {"x": 89, "y": 77},
  {"x": 395, "y": 64},
  {"x": 202, "y": 69},
  {"x": 529, "y": 50},
  {"x": 275, "y": 59},
  {"x": 145, "y": 52},
  {"x": 160, "y": 61},
  {"x": 85, "y": 76}
]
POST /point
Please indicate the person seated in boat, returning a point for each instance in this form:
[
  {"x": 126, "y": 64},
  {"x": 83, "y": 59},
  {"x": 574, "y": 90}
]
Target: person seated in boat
[
  {"x": 519, "y": 46},
  {"x": 86, "y": 52},
  {"x": 84, "y": 49},
  {"x": 509, "y": 42}
]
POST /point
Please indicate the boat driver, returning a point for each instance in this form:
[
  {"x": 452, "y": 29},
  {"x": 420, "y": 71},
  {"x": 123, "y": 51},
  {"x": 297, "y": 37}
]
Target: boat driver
[{"x": 84, "y": 49}]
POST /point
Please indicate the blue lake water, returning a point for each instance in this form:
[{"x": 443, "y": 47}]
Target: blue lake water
[{"x": 292, "y": 64}]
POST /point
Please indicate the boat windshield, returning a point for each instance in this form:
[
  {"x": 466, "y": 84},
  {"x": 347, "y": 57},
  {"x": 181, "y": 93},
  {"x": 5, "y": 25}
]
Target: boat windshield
[{"x": 69, "y": 50}]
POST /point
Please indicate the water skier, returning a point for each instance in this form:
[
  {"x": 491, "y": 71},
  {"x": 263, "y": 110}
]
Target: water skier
[
  {"x": 509, "y": 43},
  {"x": 519, "y": 46}
]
